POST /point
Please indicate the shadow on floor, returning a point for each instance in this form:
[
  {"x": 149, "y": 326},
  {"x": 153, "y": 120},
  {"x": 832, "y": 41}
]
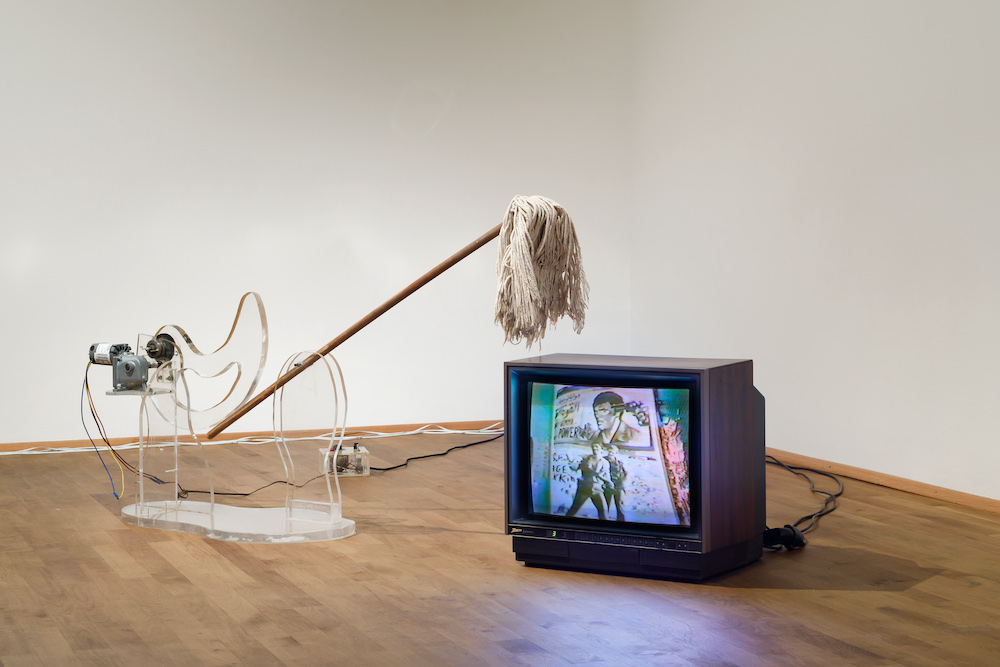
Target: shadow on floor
[{"x": 828, "y": 568}]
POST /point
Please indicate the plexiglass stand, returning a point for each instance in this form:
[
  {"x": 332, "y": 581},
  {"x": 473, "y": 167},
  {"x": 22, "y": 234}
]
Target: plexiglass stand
[{"x": 175, "y": 486}]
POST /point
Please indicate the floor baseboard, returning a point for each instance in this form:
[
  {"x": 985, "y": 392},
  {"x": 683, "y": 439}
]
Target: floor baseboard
[{"x": 889, "y": 481}]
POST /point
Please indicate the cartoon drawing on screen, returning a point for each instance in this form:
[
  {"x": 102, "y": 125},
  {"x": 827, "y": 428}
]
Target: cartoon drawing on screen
[
  {"x": 675, "y": 453},
  {"x": 607, "y": 455},
  {"x": 615, "y": 486},
  {"x": 610, "y": 416},
  {"x": 595, "y": 474}
]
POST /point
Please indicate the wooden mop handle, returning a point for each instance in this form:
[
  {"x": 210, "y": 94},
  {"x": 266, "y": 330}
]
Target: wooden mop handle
[{"x": 358, "y": 326}]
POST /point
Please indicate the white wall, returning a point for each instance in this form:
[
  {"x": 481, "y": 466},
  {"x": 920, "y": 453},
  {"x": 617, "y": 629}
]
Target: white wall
[
  {"x": 811, "y": 185},
  {"x": 817, "y": 189},
  {"x": 158, "y": 160}
]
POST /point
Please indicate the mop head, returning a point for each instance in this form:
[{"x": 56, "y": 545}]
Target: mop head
[{"x": 540, "y": 274}]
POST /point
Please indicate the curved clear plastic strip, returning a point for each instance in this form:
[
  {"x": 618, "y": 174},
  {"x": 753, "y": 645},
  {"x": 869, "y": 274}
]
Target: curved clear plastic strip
[
  {"x": 310, "y": 419},
  {"x": 224, "y": 379}
]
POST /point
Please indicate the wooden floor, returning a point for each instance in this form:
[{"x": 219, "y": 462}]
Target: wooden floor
[{"x": 430, "y": 579}]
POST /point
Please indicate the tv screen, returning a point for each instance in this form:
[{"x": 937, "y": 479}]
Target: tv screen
[{"x": 610, "y": 453}]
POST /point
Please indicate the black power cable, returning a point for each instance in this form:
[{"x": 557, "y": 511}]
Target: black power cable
[
  {"x": 299, "y": 486},
  {"x": 791, "y": 537},
  {"x": 250, "y": 493},
  {"x": 430, "y": 456}
]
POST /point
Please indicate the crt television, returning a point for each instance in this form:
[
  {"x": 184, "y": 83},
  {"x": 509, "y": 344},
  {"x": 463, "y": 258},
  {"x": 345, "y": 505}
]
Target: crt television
[{"x": 640, "y": 466}]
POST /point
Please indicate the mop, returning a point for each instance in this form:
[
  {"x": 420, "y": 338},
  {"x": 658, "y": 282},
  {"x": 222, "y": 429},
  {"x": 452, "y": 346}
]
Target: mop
[{"x": 540, "y": 279}]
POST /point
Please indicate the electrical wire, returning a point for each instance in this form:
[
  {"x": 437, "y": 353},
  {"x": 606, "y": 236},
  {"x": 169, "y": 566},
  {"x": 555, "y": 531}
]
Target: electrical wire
[
  {"x": 829, "y": 501},
  {"x": 401, "y": 465},
  {"x": 431, "y": 429},
  {"x": 85, "y": 391},
  {"x": 496, "y": 430},
  {"x": 100, "y": 426},
  {"x": 429, "y": 456},
  {"x": 250, "y": 493},
  {"x": 122, "y": 463}
]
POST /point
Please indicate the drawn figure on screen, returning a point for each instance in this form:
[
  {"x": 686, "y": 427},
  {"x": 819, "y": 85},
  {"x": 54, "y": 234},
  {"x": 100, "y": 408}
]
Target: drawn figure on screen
[
  {"x": 675, "y": 454},
  {"x": 594, "y": 474},
  {"x": 615, "y": 486},
  {"x": 609, "y": 408}
]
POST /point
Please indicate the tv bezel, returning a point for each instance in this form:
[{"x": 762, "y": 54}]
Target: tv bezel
[{"x": 519, "y": 505}]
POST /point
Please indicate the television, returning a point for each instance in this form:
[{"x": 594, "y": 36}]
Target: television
[{"x": 641, "y": 466}]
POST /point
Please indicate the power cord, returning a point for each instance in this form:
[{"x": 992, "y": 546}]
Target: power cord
[
  {"x": 85, "y": 393},
  {"x": 430, "y": 456},
  {"x": 87, "y": 399},
  {"x": 791, "y": 537},
  {"x": 401, "y": 465},
  {"x": 123, "y": 465},
  {"x": 250, "y": 493}
]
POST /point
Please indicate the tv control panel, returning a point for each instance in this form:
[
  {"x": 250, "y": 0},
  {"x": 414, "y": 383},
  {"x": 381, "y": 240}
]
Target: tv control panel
[{"x": 642, "y": 542}]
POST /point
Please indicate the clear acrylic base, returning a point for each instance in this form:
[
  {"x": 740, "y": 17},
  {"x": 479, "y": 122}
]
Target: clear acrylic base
[{"x": 274, "y": 525}]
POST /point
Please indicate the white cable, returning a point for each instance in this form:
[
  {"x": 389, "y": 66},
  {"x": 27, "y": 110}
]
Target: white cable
[{"x": 430, "y": 429}]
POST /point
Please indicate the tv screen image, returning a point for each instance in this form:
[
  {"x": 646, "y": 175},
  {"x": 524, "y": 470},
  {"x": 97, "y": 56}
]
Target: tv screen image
[{"x": 610, "y": 453}]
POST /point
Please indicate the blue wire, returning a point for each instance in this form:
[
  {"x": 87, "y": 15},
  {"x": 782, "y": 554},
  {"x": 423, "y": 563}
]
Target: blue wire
[{"x": 82, "y": 419}]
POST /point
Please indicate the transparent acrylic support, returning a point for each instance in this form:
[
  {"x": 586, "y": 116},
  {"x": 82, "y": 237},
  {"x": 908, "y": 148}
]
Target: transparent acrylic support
[
  {"x": 220, "y": 381},
  {"x": 312, "y": 494},
  {"x": 175, "y": 488}
]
